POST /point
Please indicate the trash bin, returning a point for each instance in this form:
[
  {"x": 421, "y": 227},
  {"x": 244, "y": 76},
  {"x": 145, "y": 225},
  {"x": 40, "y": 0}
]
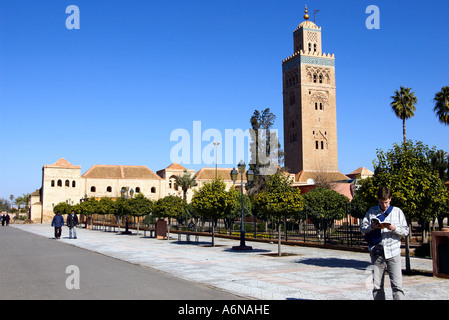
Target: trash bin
[
  {"x": 440, "y": 254},
  {"x": 161, "y": 229}
]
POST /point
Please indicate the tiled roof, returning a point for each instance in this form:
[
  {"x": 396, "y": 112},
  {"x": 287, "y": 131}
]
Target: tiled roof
[
  {"x": 120, "y": 172},
  {"x": 362, "y": 170},
  {"x": 222, "y": 173},
  {"x": 62, "y": 163},
  {"x": 332, "y": 176},
  {"x": 175, "y": 166}
]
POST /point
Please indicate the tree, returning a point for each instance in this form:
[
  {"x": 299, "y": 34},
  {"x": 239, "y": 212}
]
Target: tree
[
  {"x": 364, "y": 198},
  {"x": 324, "y": 206},
  {"x": 26, "y": 199},
  {"x": 140, "y": 205},
  {"x": 403, "y": 106},
  {"x": 62, "y": 208},
  {"x": 265, "y": 148},
  {"x": 105, "y": 205},
  {"x": 439, "y": 163},
  {"x": 185, "y": 182},
  {"x": 170, "y": 207},
  {"x": 11, "y": 198},
  {"x": 213, "y": 202},
  {"x": 89, "y": 207},
  {"x": 441, "y": 108},
  {"x": 4, "y": 204},
  {"x": 278, "y": 199},
  {"x": 18, "y": 202}
]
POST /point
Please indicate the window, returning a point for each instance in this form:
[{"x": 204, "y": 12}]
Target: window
[
  {"x": 292, "y": 99},
  {"x": 52, "y": 183},
  {"x": 93, "y": 189},
  {"x": 314, "y": 47},
  {"x": 137, "y": 189},
  {"x": 67, "y": 183},
  {"x": 59, "y": 183},
  {"x": 316, "y": 105},
  {"x": 153, "y": 190},
  {"x": 314, "y": 78},
  {"x": 109, "y": 189},
  {"x": 316, "y": 145},
  {"x": 310, "y": 46},
  {"x": 322, "y": 145},
  {"x": 321, "y": 78},
  {"x": 73, "y": 184},
  {"x": 321, "y": 106}
]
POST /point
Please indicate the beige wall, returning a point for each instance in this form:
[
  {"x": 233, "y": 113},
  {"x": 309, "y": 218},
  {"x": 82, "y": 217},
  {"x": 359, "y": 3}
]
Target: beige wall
[{"x": 52, "y": 193}]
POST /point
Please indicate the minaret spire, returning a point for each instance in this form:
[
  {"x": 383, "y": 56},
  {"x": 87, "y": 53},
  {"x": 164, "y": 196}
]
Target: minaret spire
[{"x": 306, "y": 15}]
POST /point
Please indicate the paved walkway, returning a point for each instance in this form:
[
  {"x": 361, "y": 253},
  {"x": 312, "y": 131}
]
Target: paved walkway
[{"x": 306, "y": 273}]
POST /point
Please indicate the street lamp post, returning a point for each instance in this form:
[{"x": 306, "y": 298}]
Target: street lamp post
[
  {"x": 125, "y": 192},
  {"x": 249, "y": 178},
  {"x": 216, "y": 144}
]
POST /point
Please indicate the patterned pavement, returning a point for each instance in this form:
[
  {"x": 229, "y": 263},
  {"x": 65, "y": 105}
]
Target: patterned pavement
[{"x": 305, "y": 273}]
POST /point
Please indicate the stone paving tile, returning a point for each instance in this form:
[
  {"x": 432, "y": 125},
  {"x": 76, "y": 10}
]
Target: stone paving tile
[{"x": 309, "y": 273}]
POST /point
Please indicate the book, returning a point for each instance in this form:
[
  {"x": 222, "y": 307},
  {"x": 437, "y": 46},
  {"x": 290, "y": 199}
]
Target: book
[{"x": 382, "y": 219}]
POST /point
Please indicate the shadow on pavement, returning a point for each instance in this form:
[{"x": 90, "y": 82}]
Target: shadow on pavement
[{"x": 335, "y": 263}]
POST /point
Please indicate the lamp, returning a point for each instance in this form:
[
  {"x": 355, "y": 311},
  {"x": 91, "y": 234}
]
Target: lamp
[
  {"x": 249, "y": 175},
  {"x": 124, "y": 191},
  {"x": 234, "y": 175},
  {"x": 241, "y": 166}
]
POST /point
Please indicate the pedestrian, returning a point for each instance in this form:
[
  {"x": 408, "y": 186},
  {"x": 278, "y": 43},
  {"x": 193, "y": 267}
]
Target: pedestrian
[
  {"x": 3, "y": 220},
  {"x": 383, "y": 227},
  {"x": 7, "y": 219},
  {"x": 72, "y": 222},
  {"x": 57, "y": 222}
]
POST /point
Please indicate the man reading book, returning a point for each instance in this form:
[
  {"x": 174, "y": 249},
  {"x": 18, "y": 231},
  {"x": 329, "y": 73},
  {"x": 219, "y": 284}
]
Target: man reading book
[{"x": 383, "y": 227}]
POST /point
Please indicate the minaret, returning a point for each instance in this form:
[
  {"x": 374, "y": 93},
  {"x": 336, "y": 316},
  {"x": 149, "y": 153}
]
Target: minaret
[{"x": 310, "y": 117}]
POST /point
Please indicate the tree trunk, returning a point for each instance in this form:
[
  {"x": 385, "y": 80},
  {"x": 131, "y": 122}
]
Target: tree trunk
[
  {"x": 279, "y": 238},
  {"x": 403, "y": 130},
  {"x": 408, "y": 269},
  {"x": 213, "y": 234}
]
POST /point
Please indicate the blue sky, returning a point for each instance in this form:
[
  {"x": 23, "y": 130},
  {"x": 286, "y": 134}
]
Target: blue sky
[{"x": 113, "y": 91}]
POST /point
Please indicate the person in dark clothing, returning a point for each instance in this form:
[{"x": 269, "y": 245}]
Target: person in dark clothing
[
  {"x": 57, "y": 222},
  {"x": 72, "y": 222}
]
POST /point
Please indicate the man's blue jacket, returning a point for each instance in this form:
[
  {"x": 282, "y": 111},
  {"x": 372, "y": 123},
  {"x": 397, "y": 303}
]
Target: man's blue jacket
[{"x": 58, "y": 221}]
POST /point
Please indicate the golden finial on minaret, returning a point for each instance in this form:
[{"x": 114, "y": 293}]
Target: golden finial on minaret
[{"x": 306, "y": 16}]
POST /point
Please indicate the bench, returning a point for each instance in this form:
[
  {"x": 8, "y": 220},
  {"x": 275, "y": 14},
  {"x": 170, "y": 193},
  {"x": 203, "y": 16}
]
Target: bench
[
  {"x": 96, "y": 225},
  {"x": 187, "y": 236},
  {"x": 150, "y": 230}
]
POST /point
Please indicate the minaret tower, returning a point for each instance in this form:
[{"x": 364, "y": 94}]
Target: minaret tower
[{"x": 310, "y": 117}]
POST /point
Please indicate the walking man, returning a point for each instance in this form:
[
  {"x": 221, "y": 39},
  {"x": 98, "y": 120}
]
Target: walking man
[
  {"x": 72, "y": 222},
  {"x": 383, "y": 227},
  {"x": 57, "y": 222}
]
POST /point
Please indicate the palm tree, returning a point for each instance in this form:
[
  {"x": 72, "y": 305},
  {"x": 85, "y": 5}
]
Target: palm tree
[
  {"x": 439, "y": 163},
  {"x": 185, "y": 182},
  {"x": 403, "y": 105},
  {"x": 442, "y": 105}
]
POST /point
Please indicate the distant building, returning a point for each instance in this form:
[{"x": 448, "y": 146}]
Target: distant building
[
  {"x": 360, "y": 173},
  {"x": 63, "y": 182}
]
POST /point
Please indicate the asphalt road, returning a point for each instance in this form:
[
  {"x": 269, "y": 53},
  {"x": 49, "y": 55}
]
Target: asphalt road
[{"x": 35, "y": 267}]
